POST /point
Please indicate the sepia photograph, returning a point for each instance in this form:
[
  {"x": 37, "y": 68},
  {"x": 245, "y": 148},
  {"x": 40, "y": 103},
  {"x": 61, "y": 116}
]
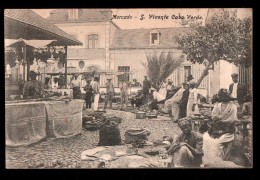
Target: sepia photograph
[{"x": 160, "y": 88}]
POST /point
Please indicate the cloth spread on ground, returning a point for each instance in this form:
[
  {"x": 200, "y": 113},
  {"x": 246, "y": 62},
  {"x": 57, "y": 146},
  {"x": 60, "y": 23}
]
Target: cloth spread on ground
[
  {"x": 117, "y": 157},
  {"x": 65, "y": 118},
  {"x": 25, "y": 123}
]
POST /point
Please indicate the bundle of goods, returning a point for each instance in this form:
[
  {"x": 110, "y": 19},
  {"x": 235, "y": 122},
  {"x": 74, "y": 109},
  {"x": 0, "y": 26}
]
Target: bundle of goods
[
  {"x": 205, "y": 112},
  {"x": 93, "y": 125},
  {"x": 136, "y": 134},
  {"x": 114, "y": 118},
  {"x": 152, "y": 114},
  {"x": 199, "y": 117},
  {"x": 109, "y": 134},
  {"x": 141, "y": 115},
  {"x": 51, "y": 93}
]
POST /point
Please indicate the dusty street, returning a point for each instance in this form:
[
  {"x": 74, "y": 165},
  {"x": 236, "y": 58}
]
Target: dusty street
[{"x": 65, "y": 153}]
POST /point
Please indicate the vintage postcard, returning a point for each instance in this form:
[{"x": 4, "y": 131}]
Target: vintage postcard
[{"x": 128, "y": 88}]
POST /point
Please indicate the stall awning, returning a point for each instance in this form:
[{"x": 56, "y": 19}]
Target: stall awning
[
  {"x": 26, "y": 24},
  {"x": 33, "y": 43}
]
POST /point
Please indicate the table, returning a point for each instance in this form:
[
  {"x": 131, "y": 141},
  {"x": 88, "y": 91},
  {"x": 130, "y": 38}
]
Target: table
[{"x": 30, "y": 122}]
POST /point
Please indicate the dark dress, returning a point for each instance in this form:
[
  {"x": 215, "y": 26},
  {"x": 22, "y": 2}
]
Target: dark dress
[
  {"x": 183, "y": 104},
  {"x": 89, "y": 93}
]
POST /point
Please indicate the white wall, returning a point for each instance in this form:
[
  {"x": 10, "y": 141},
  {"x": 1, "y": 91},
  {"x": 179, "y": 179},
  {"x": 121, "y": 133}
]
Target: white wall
[
  {"x": 226, "y": 69},
  {"x": 84, "y": 29}
]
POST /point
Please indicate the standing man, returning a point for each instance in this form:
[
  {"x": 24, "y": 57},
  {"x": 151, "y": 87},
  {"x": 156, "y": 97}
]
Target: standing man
[
  {"x": 146, "y": 86},
  {"x": 89, "y": 93},
  {"x": 110, "y": 93},
  {"x": 237, "y": 90},
  {"x": 75, "y": 83},
  {"x": 96, "y": 93},
  {"x": 124, "y": 94}
]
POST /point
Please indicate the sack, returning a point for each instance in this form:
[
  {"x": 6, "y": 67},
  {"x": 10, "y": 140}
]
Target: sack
[
  {"x": 132, "y": 135},
  {"x": 109, "y": 134}
]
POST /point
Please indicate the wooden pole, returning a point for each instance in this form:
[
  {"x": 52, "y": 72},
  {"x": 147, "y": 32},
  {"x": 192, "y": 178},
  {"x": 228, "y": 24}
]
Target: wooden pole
[
  {"x": 25, "y": 61},
  {"x": 66, "y": 65}
]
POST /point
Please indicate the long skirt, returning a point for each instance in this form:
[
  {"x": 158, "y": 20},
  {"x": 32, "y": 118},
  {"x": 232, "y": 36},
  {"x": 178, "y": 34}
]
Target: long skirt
[
  {"x": 76, "y": 93},
  {"x": 175, "y": 110},
  {"x": 189, "y": 108},
  {"x": 96, "y": 100}
]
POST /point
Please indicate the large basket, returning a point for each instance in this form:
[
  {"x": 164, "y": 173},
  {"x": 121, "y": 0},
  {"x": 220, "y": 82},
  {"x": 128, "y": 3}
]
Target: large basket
[
  {"x": 141, "y": 115},
  {"x": 136, "y": 135}
]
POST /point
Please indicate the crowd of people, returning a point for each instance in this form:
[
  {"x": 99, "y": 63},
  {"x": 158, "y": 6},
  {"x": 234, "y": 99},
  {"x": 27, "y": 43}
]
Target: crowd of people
[{"x": 180, "y": 102}]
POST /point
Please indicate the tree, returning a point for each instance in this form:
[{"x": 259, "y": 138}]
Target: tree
[
  {"x": 160, "y": 67},
  {"x": 224, "y": 38}
]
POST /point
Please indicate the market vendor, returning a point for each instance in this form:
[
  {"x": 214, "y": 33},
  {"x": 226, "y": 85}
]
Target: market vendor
[
  {"x": 33, "y": 89},
  {"x": 75, "y": 84},
  {"x": 222, "y": 127},
  {"x": 187, "y": 147},
  {"x": 137, "y": 100}
]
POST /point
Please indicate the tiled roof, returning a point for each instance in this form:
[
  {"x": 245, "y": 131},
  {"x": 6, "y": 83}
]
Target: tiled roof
[
  {"x": 29, "y": 17},
  {"x": 85, "y": 15},
  {"x": 140, "y": 38}
]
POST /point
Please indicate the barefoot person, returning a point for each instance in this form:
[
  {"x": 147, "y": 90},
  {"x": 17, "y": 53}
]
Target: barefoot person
[{"x": 187, "y": 147}]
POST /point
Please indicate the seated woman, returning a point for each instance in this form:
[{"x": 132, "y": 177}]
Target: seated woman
[
  {"x": 222, "y": 127},
  {"x": 172, "y": 105},
  {"x": 187, "y": 147},
  {"x": 137, "y": 100}
]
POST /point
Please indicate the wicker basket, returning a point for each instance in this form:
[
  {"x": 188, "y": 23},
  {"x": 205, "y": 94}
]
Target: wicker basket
[{"x": 141, "y": 115}]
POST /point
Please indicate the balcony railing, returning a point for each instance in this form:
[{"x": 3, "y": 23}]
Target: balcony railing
[{"x": 86, "y": 53}]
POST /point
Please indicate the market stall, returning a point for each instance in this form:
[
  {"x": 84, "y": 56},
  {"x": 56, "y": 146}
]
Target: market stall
[{"x": 30, "y": 122}]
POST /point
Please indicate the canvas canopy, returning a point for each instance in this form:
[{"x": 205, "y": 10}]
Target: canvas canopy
[{"x": 33, "y": 43}]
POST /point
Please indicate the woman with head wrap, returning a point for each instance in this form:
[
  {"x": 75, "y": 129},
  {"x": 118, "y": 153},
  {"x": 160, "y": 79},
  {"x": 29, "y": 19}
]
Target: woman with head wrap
[
  {"x": 187, "y": 147},
  {"x": 222, "y": 128}
]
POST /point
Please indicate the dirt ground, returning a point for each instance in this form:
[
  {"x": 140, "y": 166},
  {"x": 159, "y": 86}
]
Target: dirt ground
[{"x": 66, "y": 152}]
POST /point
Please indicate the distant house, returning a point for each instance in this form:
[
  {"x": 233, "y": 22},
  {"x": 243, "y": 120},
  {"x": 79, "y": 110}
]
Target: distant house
[{"x": 108, "y": 48}]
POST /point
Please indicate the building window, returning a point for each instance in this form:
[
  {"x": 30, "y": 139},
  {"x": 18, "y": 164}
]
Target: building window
[
  {"x": 93, "y": 41},
  {"x": 187, "y": 71},
  {"x": 73, "y": 14},
  {"x": 125, "y": 76},
  {"x": 154, "y": 37}
]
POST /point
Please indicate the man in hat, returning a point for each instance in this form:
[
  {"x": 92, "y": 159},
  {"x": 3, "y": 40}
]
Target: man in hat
[
  {"x": 237, "y": 90},
  {"x": 110, "y": 92},
  {"x": 33, "y": 88},
  {"x": 146, "y": 86},
  {"x": 190, "y": 79},
  {"x": 89, "y": 93},
  {"x": 187, "y": 148}
]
